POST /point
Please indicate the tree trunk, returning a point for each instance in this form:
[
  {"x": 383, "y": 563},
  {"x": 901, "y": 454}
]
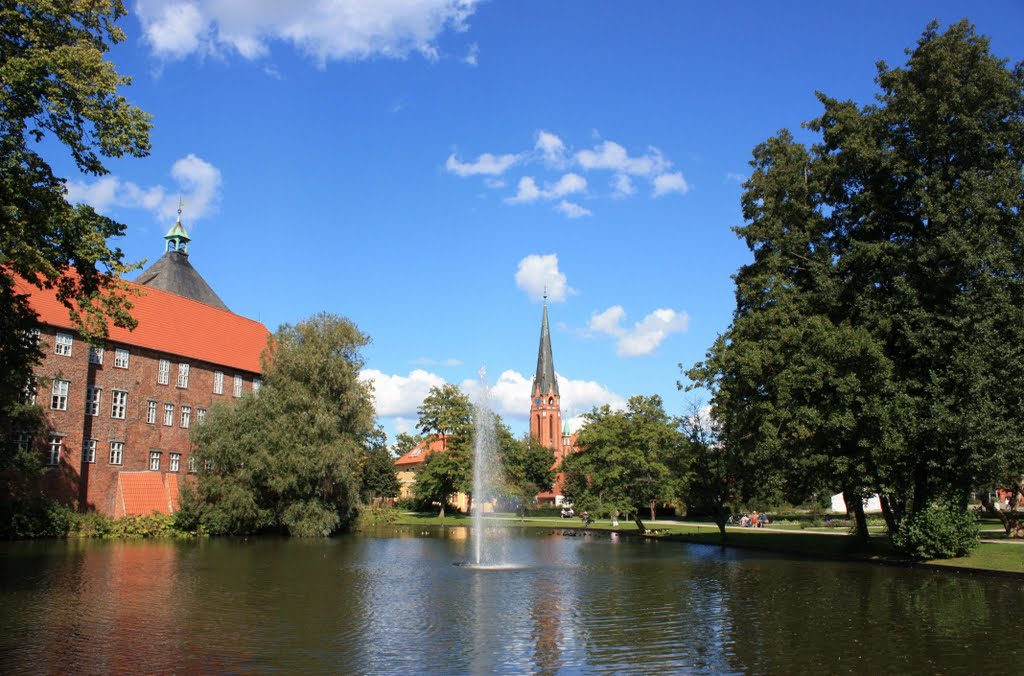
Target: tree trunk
[
  {"x": 890, "y": 518},
  {"x": 855, "y": 505},
  {"x": 639, "y": 523},
  {"x": 441, "y": 513},
  {"x": 720, "y": 519},
  {"x": 654, "y": 507},
  {"x": 469, "y": 504}
]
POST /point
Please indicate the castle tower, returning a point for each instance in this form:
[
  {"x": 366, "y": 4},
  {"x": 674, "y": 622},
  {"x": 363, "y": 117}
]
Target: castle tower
[{"x": 545, "y": 409}]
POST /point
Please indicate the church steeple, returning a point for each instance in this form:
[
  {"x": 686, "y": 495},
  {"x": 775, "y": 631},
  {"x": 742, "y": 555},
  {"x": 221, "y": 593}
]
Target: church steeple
[
  {"x": 176, "y": 238},
  {"x": 545, "y": 407}
]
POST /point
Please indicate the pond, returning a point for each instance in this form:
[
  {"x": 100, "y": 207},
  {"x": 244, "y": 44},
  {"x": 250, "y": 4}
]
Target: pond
[{"x": 391, "y": 601}]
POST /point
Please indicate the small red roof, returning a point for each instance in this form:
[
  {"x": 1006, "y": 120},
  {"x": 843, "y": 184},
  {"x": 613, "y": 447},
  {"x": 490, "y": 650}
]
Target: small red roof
[
  {"x": 171, "y": 324},
  {"x": 143, "y": 493},
  {"x": 419, "y": 454}
]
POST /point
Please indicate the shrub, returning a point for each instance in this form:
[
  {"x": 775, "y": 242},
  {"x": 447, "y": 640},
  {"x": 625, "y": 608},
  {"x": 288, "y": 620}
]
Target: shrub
[
  {"x": 939, "y": 532},
  {"x": 378, "y": 515},
  {"x": 35, "y": 517}
]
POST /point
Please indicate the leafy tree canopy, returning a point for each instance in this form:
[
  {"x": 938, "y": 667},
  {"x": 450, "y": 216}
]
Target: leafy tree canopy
[{"x": 290, "y": 457}]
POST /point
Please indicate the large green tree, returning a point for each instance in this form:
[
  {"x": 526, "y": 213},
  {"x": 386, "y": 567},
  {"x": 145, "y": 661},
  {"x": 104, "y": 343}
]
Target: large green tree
[
  {"x": 447, "y": 413},
  {"x": 628, "y": 460},
  {"x": 527, "y": 468},
  {"x": 290, "y": 457},
  {"x": 57, "y": 89},
  {"x": 878, "y": 335},
  {"x": 379, "y": 477}
]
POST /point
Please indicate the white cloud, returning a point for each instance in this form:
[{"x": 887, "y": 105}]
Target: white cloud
[
  {"x": 197, "y": 182},
  {"x": 568, "y": 184},
  {"x": 537, "y": 273},
  {"x": 427, "y": 361},
  {"x": 510, "y": 395},
  {"x": 735, "y": 177},
  {"x": 674, "y": 182},
  {"x": 396, "y": 395},
  {"x": 326, "y": 31},
  {"x": 623, "y": 185},
  {"x": 645, "y": 336},
  {"x": 571, "y": 209},
  {"x": 527, "y": 192},
  {"x": 471, "y": 55},
  {"x": 611, "y": 155},
  {"x": 551, "y": 148},
  {"x": 486, "y": 164}
]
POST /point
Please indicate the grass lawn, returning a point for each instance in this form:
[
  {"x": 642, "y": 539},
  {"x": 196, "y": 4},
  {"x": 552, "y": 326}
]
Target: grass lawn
[{"x": 833, "y": 543}]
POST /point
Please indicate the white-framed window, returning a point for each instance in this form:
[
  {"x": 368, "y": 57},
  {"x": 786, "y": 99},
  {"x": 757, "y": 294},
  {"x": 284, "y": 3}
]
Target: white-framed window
[
  {"x": 186, "y": 416},
  {"x": 56, "y": 446},
  {"x": 116, "y": 452},
  {"x": 37, "y": 335},
  {"x": 151, "y": 412},
  {"x": 218, "y": 382},
  {"x": 154, "y": 461},
  {"x": 174, "y": 462},
  {"x": 27, "y": 396},
  {"x": 63, "y": 345},
  {"x": 118, "y": 403},
  {"x": 237, "y": 391},
  {"x": 22, "y": 441},
  {"x": 89, "y": 450},
  {"x": 59, "y": 400},
  {"x": 200, "y": 415},
  {"x": 95, "y": 355},
  {"x": 121, "y": 356},
  {"x": 92, "y": 400},
  {"x": 257, "y": 383},
  {"x": 163, "y": 374},
  {"x": 168, "y": 414},
  {"x": 192, "y": 464},
  {"x": 183, "y": 375}
]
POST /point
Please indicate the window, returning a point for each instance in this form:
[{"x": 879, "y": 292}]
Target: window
[
  {"x": 56, "y": 442},
  {"x": 256, "y": 385},
  {"x": 89, "y": 450},
  {"x": 118, "y": 403},
  {"x": 168, "y": 414},
  {"x": 163, "y": 376},
  {"x": 27, "y": 396},
  {"x": 186, "y": 416},
  {"x": 92, "y": 400},
  {"x": 218, "y": 382},
  {"x": 121, "y": 358},
  {"x": 151, "y": 412},
  {"x": 175, "y": 462},
  {"x": 192, "y": 464},
  {"x": 200, "y": 414},
  {"x": 238, "y": 386},
  {"x": 154, "y": 461},
  {"x": 182, "y": 375},
  {"x": 63, "y": 345},
  {"x": 116, "y": 452},
  {"x": 22, "y": 441},
  {"x": 95, "y": 355},
  {"x": 59, "y": 400}
]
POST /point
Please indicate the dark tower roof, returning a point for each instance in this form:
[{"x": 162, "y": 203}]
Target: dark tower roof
[
  {"x": 173, "y": 273},
  {"x": 545, "y": 380}
]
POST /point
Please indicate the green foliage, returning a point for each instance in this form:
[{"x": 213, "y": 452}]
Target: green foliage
[
  {"x": 34, "y": 516},
  {"x": 878, "y": 332},
  {"x": 940, "y": 532},
  {"x": 447, "y": 413},
  {"x": 379, "y": 478},
  {"x": 404, "y": 442},
  {"x": 55, "y": 85},
  {"x": 379, "y": 515},
  {"x": 443, "y": 474},
  {"x": 289, "y": 458},
  {"x": 629, "y": 459},
  {"x": 527, "y": 468}
]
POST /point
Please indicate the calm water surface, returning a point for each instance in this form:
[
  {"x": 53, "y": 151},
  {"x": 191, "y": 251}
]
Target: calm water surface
[{"x": 393, "y": 602}]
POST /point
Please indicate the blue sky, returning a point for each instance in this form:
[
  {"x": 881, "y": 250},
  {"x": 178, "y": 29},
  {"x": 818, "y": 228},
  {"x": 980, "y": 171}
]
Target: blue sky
[{"x": 427, "y": 168}]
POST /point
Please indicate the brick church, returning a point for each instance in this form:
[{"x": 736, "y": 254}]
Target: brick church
[
  {"x": 546, "y": 425},
  {"x": 119, "y": 415}
]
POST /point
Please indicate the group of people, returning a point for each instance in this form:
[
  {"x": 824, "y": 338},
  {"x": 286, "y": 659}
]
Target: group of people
[{"x": 753, "y": 520}]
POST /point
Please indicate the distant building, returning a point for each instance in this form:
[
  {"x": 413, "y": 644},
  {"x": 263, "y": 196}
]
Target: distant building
[
  {"x": 409, "y": 465},
  {"x": 119, "y": 416}
]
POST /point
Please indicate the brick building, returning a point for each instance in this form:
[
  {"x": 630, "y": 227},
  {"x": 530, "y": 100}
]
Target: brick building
[
  {"x": 546, "y": 424},
  {"x": 119, "y": 416}
]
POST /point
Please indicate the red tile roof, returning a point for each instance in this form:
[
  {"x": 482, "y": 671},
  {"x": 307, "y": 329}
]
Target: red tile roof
[
  {"x": 143, "y": 493},
  {"x": 171, "y": 324},
  {"x": 419, "y": 454}
]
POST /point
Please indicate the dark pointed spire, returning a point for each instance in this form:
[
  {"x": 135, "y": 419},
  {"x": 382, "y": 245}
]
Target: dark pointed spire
[{"x": 545, "y": 381}]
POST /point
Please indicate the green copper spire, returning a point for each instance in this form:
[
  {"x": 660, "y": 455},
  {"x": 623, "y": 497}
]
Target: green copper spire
[
  {"x": 545, "y": 380},
  {"x": 176, "y": 238}
]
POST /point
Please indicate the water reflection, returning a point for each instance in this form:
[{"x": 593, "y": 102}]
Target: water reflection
[{"x": 394, "y": 603}]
